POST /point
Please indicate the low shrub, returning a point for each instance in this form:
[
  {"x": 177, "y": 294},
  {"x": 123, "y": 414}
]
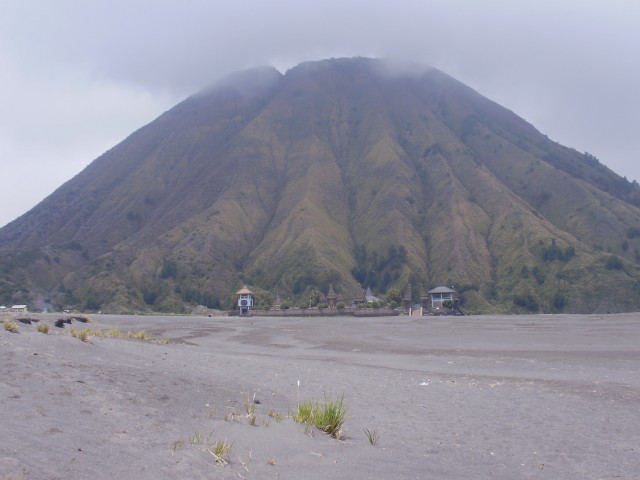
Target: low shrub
[{"x": 11, "y": 327}]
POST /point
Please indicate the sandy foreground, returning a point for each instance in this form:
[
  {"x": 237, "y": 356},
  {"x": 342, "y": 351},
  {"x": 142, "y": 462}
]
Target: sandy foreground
[{"x": 504, "y": 397}]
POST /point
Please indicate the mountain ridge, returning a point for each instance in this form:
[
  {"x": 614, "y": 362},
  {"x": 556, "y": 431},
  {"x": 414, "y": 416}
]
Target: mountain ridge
[{"x": 326, "y": 174}]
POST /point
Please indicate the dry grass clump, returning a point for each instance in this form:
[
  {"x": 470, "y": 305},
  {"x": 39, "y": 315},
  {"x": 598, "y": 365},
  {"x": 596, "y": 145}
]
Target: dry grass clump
[
  {"x": 178, "y": 444},
  {"x": 43, "y": 328},
  {"x": 11, "y": 327},
  {"x": 328, "y": 416},
  {"x": 141, "y": 335},
  {"x": 196, "y": 439},
  {"x": 232, "y": 416},
  {"x": 114, "y": 333},
  {"x": 249, "y": 404},
  {"x": 221, "y": 451},
  {"x": 80, "y": 334},
  {"x": 275, "y": 415}
]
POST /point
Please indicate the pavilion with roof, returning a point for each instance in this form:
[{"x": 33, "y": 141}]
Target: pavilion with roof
[{"x": 245, "y": 300}]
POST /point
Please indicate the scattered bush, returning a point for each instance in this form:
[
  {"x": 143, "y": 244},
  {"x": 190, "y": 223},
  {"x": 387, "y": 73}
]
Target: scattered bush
[
  {"x": 43, "y": 328},
  {"x": 558, "y": 302},
  {"x": 538, "y": 275},
  {"x": 11, "y": 327},
  {"x": 614, "y": 262},
  {"x": 378, "y": 271},
  {"x": 527, "y": 301},
  {"x": 633, "y": 232},
  {"x": 553, "y": 252},
  {"x": 169, "y": 269}
]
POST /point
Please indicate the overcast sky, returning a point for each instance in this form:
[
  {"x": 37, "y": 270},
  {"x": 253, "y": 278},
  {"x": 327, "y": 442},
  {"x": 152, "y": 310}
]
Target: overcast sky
[{"x": 78, "y": 76}]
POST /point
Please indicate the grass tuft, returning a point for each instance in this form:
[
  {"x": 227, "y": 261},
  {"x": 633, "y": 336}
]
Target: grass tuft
[
  {"x": 275, "y": 415},
  {"x": 43, "y": 328},
  {"x": 178, "y": 444},
  {"x": 79, "y": 334},
  {"x": 304, "y": 413},
  {"x": 221, "y": 451},
  {"x": 328, "y": 416},
  {"x": 249, "y": 404},
  {"x": 141, "y": 335},
  {"x": 114, "y": 333},
  {"x": 372, "y": 436},
  {"x": 11, "y": 327},
  {"x": 232, "y": 416}
]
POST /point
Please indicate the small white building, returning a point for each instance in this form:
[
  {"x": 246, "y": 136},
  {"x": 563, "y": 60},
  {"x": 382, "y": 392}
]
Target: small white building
[
  {"x": 245, "y": 300},
  {"x": 439, "y": 295},
  {"x": 19, "y": 309}
]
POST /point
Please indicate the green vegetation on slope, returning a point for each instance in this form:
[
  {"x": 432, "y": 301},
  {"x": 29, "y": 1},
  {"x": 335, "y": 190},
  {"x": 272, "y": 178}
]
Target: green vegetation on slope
[{"x": 341, "y": 173}]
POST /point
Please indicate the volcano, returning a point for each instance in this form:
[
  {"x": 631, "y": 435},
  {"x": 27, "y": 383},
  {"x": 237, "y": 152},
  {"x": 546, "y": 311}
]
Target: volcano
[{"x": 345, "y": 172}]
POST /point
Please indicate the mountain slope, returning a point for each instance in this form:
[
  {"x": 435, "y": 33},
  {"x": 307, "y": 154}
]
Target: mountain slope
[{"x": 342, "y": 171}]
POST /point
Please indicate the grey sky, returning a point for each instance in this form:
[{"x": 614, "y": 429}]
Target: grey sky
[{"x": 78, "y": 76}]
